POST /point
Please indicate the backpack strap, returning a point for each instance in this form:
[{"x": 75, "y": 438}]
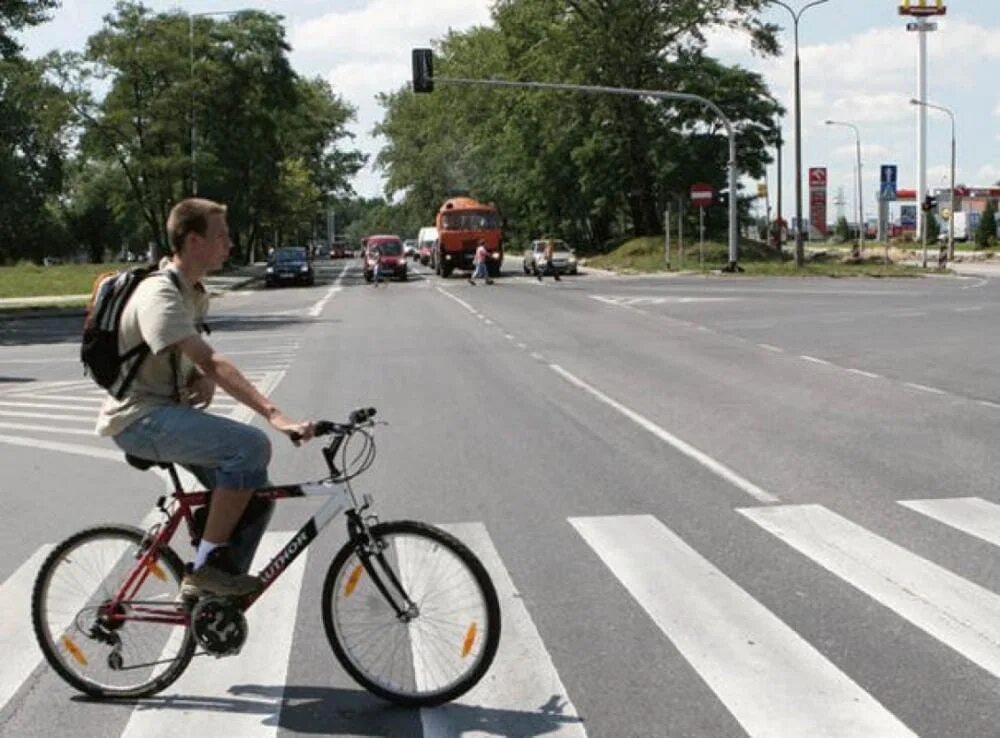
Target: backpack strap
[{"x": 141, "y": 351}]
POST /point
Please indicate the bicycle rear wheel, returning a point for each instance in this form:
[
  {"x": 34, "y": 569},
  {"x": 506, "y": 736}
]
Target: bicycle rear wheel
[
  {"x": 444, "y": 646},
  {"x": 96, "y": 655}
]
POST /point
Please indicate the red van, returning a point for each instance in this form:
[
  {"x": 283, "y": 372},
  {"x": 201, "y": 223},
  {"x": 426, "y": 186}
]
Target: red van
[{"x": 392, "y": 257}]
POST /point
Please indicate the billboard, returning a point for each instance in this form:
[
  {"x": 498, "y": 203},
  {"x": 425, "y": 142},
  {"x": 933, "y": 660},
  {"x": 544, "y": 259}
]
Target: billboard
[{"x": 817, "y": 198}]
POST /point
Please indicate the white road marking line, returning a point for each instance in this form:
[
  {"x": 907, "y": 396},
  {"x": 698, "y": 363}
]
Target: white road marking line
[
  {"x": 49, "y": 396},
  {"x": 522, "y": 676},
  {"x": 67, "y": 448},
  {"x": 907, "y": 314},
  {"x": 814, "y": 360},
  {"x": 88, "y": 418},
  {"x": 17, "y": 637},
  {"x": 49, "y": 406},
  {"x": 955, "y": 611},
  {"x": 770, "y": 678},
  {"x": 522, "y": 346},
  {"x": 968, "y": 309},
  {"x": 47, "y": 429},
  {"x": 459, "y": 300},
  {"x": 870, "y": 375},
  {"x": 39, "y": 361},
  {"x": 263, "y": 661},
  {"x": 265, "y": 386},
  {"x": 318, "y": 307},
  {"x": 537, "y": 356},
  {"x": 769, "y": 347},
  {"x": 971, "y": 515},
  {"x": 987, "y": 403},
  {"x": 508, "y": 336},
  {"x": 924, "y": 388},
  {"x": 685, "y": 448}
]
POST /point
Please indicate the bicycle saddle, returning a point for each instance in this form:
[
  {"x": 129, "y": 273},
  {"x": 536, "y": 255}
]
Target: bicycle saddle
[{"x": 144, "y": 464}]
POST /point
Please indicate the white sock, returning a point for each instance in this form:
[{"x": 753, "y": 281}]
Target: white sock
[{"x": 204, "y": 549}]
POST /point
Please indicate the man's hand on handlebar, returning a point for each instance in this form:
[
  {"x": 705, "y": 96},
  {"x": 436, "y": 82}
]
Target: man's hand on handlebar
[{"x": 294, "y": 429}]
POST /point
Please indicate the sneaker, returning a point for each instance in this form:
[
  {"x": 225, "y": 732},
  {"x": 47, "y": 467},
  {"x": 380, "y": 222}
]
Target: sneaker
[
  {"x": 218, "y": 577},
  {"x": 489, "y": 281},
  {"x": 472, "y": 281},
  {"x": 539, "y": 277}
]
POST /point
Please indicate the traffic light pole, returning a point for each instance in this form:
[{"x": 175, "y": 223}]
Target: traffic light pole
[{"x": 657, "y": 94}]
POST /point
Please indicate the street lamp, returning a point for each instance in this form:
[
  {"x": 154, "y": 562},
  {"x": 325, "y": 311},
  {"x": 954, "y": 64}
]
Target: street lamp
[
  {"x": 194, "y": 138},
  {"x": 799, "y": 247},
  {"x": 951, "y": 190},
  {"x": 861, "y": 201}
]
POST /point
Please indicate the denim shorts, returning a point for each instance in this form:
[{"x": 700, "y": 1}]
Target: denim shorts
[{"x": 219, "y": 451}]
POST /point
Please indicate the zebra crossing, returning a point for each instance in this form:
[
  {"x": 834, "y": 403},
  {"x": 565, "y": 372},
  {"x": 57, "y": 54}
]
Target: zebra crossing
[
  {"x": 60, "y": 415},
  {"x": 769, "y": 677}
]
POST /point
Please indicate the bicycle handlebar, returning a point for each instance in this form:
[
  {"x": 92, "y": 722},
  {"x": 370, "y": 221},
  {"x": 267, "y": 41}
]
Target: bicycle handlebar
[{"x": 328, "y": 427}]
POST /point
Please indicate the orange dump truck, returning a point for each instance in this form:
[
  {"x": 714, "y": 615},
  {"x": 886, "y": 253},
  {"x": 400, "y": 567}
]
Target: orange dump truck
[{"x": 461, "y": 223}]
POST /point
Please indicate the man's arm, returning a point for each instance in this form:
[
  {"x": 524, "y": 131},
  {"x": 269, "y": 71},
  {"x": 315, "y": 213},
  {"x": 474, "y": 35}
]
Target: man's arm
[{"x": 220, "y": 370}]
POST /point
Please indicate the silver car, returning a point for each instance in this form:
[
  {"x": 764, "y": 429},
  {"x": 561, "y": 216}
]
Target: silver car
[{"x": 563, "y": 258}]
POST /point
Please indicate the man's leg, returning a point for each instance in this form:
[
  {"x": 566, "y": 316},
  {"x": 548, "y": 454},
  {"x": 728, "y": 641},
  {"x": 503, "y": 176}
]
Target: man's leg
[{"x": 237, "y": 453}]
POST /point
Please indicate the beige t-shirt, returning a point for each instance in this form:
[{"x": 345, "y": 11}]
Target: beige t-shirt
[{"x": 160, "y": 315}]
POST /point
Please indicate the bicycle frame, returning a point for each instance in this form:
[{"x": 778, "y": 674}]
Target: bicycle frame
[{"x": 341, "y": 500}]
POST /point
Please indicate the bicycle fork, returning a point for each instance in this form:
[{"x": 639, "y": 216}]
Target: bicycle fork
[{"x": 369, "y": 548}]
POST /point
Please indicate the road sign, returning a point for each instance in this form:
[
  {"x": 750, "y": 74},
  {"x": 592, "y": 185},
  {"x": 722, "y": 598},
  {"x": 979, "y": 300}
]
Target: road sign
[
  {"x": 702, "y": 194},
  {"x": 887, "y": 189},
  {"x": 921, "y": 26}
]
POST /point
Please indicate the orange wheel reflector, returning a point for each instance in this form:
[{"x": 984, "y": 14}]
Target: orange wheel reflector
[
  {"x": 74, "y": 650},
  {"x": 470, "y": 638},
  {"x": 352, "y": 581},
  {"x": 157, "y": 572}
]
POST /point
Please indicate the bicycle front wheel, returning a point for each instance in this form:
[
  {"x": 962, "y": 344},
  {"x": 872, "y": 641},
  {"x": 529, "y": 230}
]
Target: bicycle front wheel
[
  {"x": 100, "y": 655},
  {"x": 443, "y": 645}
]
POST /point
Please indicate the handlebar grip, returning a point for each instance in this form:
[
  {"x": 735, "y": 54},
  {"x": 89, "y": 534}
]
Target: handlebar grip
[{"x": 362, "y": 414}]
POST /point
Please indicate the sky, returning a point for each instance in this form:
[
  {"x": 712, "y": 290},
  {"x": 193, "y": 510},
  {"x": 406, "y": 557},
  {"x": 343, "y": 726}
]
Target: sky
[{"x": 858, "y": 65}]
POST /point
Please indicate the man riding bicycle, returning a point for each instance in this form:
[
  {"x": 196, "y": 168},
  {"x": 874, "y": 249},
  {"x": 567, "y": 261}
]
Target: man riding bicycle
[{"x": 161, "y": 416}]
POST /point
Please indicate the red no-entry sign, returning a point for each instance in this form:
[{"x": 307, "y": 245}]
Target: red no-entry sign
[{"x": 702, "y": 194}]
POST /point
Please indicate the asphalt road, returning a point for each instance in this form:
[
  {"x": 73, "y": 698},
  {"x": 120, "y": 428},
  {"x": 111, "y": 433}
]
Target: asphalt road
[{"x": 712, "y": 506}]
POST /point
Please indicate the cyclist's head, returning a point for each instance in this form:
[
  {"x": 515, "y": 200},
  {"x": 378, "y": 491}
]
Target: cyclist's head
[{"x": 190, "y": 216}]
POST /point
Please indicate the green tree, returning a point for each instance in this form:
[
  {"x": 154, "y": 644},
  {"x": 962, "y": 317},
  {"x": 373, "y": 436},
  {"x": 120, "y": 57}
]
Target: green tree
[
  {"x": 842, "y": 231},
  {"x": 987, "y": 230},
  {"x": 16, "y": 15}
]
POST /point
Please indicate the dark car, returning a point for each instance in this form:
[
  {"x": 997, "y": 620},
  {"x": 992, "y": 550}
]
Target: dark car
[
  {"x": 290, "y": 265},
  {"x": 392, "y": 257}
]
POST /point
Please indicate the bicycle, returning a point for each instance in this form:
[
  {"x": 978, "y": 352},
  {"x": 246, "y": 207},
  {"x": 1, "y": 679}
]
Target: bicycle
[{"x": 409, "y": 611}]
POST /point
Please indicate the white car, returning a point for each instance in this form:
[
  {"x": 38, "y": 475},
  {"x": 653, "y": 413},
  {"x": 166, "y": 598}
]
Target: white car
[{"x": 563, "y": 258}]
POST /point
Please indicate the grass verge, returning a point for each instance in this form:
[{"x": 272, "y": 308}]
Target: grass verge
[
  {"x": 31, "y": 280},
  {"x": 646, "y": 255}
]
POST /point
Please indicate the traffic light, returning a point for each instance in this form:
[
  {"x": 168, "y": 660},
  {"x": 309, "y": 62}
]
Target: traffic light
[
  {"x": 930, "y": 202},
  {"x": 423, "y": 70}
]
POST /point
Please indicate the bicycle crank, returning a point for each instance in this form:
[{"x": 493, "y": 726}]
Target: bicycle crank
[{"x": 219, "y": 626}]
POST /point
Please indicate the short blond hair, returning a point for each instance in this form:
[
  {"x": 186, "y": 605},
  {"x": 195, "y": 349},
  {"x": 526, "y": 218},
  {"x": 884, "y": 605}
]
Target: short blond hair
[{"x": 190, "y": 216}]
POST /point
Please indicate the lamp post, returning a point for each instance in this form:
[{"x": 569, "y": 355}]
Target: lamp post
[
  {"x": 861, "y": 201},
  {"x": 799, "y": 247},
  {"x": 194, "y": 136},
  {"x": 951, "y": 189}
]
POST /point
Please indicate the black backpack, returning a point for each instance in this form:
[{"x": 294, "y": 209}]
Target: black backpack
[{"x": 99, "y": 348}]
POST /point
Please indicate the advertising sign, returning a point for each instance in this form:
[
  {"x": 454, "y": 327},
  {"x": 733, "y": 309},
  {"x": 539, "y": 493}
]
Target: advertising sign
[
  {"x": 817, "y": 198},
  {"x": 908, "y": 217}
]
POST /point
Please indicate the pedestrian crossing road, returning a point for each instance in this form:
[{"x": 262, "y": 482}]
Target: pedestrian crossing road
[{"x": 772, "y": 680}]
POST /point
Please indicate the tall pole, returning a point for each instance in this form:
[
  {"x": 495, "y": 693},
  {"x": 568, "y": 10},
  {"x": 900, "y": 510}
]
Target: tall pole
[
  {"x": 921, "y": 123},
  {"x": 194, "y": 131},
  {"x": 799, "y": 246},
  {"x": 860, "y": 203},
  {"x": 951, "y": 197},
  {"x": 194, "y": 169},
  {"x": 780, "y": 231}
]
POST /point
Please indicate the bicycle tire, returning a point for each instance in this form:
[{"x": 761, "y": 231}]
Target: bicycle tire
[
  {"x": 40, "y": 612},
  {"x": 477, "y": 637}
]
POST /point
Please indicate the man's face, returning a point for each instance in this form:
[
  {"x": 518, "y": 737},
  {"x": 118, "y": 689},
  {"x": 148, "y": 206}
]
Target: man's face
[{"x": 213, "y": 248}]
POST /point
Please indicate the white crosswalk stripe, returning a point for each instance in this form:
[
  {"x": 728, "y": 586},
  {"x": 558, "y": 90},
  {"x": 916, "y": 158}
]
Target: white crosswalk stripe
[
  {"x": 734, "y": 642},
  {"x": 522, "y": 670},
  {"x": 263, "y": 660},
  {"x": 970, "y": 515},
  {"x": 957, "y": 612},
  {"x": 770, "y": 678}
]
